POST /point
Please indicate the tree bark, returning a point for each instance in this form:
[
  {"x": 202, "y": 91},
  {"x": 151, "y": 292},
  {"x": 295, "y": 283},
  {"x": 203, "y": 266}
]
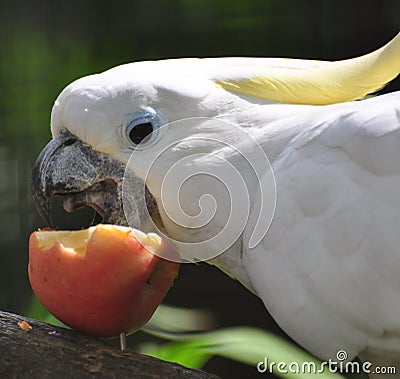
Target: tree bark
[{"x": 47, "y": 351}]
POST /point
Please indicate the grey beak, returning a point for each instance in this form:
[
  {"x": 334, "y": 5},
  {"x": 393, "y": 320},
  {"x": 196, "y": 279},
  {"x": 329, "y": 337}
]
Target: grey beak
[
  {"x": 44, "y": 182},
  {"x": 85, "y": 177}
]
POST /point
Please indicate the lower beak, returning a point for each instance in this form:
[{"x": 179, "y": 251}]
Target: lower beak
[{"x": 85, "y": 177}]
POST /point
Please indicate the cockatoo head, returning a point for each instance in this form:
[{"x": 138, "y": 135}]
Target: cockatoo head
[{"x": 129, "y": 113}]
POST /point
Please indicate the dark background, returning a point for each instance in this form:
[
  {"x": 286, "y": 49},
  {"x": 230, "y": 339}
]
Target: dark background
[{"x": 44, "y": 45}]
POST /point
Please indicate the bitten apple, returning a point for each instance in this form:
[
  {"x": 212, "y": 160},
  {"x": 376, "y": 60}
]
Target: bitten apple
[{"x": 103, "y": 280}]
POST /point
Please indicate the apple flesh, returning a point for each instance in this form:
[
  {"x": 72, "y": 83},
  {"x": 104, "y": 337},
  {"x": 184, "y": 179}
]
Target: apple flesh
[{"x": 103, "y": 280}]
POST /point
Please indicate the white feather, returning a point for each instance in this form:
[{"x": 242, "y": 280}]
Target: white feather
[{"x": 328, "y": 268}]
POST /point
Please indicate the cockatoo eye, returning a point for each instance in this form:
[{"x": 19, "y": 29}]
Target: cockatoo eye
[
  {"x": 141, "y": 128},
  {"x": 141, "y": 132}
]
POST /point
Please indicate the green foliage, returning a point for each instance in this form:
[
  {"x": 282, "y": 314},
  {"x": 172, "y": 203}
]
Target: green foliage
[
  {"x": 38, "y": 312},
  {"x": 31, "y": 77},
  {"x": 243, "y": 344}
]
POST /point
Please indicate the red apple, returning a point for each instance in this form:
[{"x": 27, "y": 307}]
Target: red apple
[{"x": 102, "y": 280}]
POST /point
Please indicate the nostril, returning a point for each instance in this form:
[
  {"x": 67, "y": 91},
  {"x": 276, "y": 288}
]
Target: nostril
[{"x": 69, "y": 142}]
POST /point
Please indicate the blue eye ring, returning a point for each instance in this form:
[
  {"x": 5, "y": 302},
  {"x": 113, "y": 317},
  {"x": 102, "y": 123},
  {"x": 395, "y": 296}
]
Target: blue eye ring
[{"x": 141, "y": 128}]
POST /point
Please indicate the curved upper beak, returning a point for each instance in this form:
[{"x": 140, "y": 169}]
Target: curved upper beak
[
  {"x": 45, "y": 181},
  {"x": 85, "y": 177}
]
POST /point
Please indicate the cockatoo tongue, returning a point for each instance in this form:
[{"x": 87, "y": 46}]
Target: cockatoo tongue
[{"x": 100, "y": 196}]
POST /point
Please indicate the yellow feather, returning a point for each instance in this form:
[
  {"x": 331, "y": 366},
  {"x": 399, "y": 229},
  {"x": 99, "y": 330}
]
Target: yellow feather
[{"x": 330, "y": 83}]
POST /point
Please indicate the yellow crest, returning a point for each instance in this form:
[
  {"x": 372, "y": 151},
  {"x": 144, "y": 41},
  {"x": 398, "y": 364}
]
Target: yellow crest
[{"x": 324, "y": 83}]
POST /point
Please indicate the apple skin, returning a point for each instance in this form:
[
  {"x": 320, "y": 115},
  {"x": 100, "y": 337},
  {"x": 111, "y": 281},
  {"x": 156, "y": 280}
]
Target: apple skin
[{"x": 115, "y": 286}]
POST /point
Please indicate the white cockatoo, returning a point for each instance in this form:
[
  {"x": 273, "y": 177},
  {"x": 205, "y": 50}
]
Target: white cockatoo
[{"x": 325, "y": 261}]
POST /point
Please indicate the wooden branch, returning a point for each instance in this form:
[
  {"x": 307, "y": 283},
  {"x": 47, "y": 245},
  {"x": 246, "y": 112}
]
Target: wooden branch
[{"x": 47, "y": 351}]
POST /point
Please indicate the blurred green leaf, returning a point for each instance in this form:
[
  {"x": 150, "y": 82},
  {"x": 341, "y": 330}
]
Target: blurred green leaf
[
  {"x": 193, "y": 320},
  {"x": 38, "y": 312},
  {"x": 242, "y": 344}
]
